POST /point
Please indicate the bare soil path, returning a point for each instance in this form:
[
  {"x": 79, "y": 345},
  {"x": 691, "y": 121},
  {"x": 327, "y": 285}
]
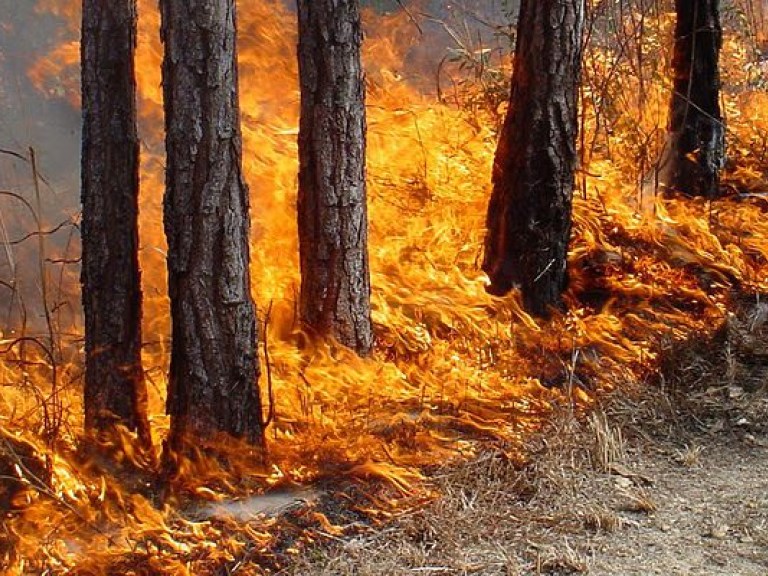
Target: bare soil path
[{"x": 706, "y": 513}]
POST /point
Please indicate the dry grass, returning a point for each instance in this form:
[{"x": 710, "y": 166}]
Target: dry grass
[
  {"x": 639, "y": 501},
  {"x": 608, "y": 446},
  {"x": 689, "y": 456},
  {"x": 583, "y": 480},
  {"x": 496, "y": 515},
  {"x": 604, "y": 520}
]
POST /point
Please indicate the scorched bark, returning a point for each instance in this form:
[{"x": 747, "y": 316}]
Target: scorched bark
[
  {"x": 214, "y": 364},
  {"x": 115, "y": 391},
  {"x": 696, "y": 147},
  {"x": 332, "y": 211},
  {"x": 529, "y": 215}
]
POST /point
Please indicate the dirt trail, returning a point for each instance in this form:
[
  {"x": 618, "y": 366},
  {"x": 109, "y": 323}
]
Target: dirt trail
[{"x": 706, "y": 513}]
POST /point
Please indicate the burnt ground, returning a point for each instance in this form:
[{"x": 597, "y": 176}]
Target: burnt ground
[{"x": 668, "y": 476}]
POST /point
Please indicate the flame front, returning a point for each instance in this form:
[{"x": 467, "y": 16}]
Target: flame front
[{"x": 453, "y": 366}]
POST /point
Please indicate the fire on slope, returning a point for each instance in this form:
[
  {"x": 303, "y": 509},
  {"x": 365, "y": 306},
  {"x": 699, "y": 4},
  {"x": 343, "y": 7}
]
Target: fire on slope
[{"x": 453, "y": 366}]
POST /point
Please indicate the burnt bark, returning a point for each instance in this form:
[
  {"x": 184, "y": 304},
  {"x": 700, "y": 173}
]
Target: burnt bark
[
  {"x": 115, "y": 391},
  {"x": 214, "y": 371},
  {"x": 696, "y": 144},
  {"x": 332, "y": 211},
  {"x": 529, "y": 214}
]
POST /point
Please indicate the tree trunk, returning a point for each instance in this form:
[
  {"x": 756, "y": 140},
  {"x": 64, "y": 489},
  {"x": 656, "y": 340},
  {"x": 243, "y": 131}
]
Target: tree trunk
[
  {"x": 696, "y": 147},
  {"x": 214, "y": 371},
  {"x": 529, "y": 215},
  {"x": 332, "y": 211},
  {"x": 115, "y": 391}
]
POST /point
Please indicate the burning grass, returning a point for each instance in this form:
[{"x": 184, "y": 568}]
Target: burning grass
[
  {"x": 628, "y": 489},
  {"x": 454, "y": 371}
]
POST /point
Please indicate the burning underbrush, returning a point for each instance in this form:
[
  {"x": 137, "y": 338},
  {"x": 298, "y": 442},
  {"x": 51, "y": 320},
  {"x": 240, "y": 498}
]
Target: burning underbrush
[{"x": 454, "y": 369}]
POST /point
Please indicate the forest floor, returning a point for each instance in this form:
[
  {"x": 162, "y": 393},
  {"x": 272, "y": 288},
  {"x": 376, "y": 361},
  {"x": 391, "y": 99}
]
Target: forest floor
[{"x": 665, "y": 477}]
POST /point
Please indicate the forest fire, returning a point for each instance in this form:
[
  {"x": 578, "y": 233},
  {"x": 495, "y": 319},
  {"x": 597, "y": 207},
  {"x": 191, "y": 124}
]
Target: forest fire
[{"x": 452, "y": 367}]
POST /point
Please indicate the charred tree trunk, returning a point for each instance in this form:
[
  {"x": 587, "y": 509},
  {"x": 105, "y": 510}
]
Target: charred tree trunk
[
  {"x": 529, "y": 215},
  {"x": 214, "y": 371},
  {"x": 332, "y": 211},
  {"x": 696, "y": 147},
  {"x": 115, "y": 391}
]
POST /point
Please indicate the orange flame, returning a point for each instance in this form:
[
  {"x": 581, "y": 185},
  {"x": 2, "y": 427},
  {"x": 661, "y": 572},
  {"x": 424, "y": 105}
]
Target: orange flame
[{"x": 453, "y": 366}]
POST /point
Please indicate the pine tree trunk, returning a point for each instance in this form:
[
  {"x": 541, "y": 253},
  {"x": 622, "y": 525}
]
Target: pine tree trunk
[
  {"x": 696, "y": 148},
  {"x": 332, "y": 211},
  {"x": 115, "y": 391},
  {"x": 214, "y": 363},
  {"x": 529, "y": 215}
]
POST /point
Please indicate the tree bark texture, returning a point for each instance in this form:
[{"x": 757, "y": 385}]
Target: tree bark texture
[
  {"x": 696, "y": 149},
  {"x": 115, "y": 391},
  {"x": 214, "y": 370},
  {"x": 529, "y": 214},
  {"x": 332, "y": 211}
]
